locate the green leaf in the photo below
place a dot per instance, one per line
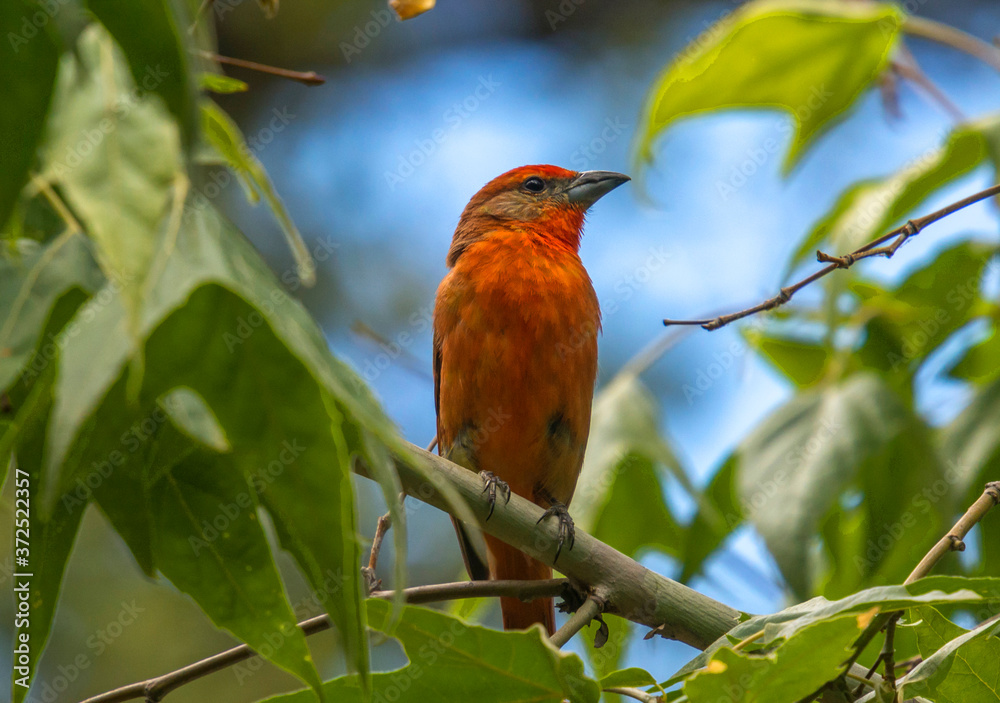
(719, 513)
(935, 590)
(979, 363)
(117, 166)
(796, 463)
(27, 74)
(453, 660)
(793, 670)
(632, 677)
(223, 134)
(966, 669)
(907, 324)
(620, 477)
(152, 35)
(30, 286)
(222, 84)
(754, 58)
(217, 322)
(869, 209)
(801, 361)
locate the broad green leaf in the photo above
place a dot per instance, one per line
(30, 285)
(621, 475)
(801, 361)
(966, 669)
(979, 363)
(632, 677)
(754, 58)
(935, 590)
(869, 209)
(116, 157)
(217, 322)
(222, 84)
(209, 543)
(223, 134)
(50, 539)
(27, 74)
(971, 442)
(793, 670)
(933, 630)
(793, 467)
(152, 35)
(913, 320)
(450, 659)
(719, 513)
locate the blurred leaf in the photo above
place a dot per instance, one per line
(453, 660)
(223, 134)
(222, 84)
(755, 58)
(794, 465)
(188, 412)
(408, 9)
(913, 320)
(719, 513)
(117, 166)
(217, 322)
(30, 285)
(632, 677)
(620, 480)
(801, 361)
(209, 543)
(980, 362)
(807, 659)
(935, 590)
(871, 208)
(152, 35)
(966, 669)
(27, 74)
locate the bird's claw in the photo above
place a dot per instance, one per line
(491, 484)
(567, 530)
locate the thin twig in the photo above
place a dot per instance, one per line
(372, 582)
(308, 77)
(888, 655)
(590, 609)
(955, 38)
(156, 688)
(952, 542)
(636, 693)
(912, 72)
(873, 248)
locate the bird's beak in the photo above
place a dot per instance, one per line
(589, 186)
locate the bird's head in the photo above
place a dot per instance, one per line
(546, 200)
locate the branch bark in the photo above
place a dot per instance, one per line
(627, 588)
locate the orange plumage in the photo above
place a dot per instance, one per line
(515, 351)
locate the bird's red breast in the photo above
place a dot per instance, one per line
(515, 348)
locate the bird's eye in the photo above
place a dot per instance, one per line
(534, 185)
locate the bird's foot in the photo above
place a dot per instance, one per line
(567, 530)
(491, 485)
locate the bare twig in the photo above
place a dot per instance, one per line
(372, 582)
(636, 693)
(952, 542)
(590, 609)
(912, 72)
(308, 77)
(156, 688)
(955, 38)
(873, 248)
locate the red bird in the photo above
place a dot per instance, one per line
(515, 355)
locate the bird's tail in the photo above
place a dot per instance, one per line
(507, 562)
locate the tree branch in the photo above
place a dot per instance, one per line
(590, 609)
(308, 77)
(156, 688)
(873, 248)
(955, 38)
(629, 589)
